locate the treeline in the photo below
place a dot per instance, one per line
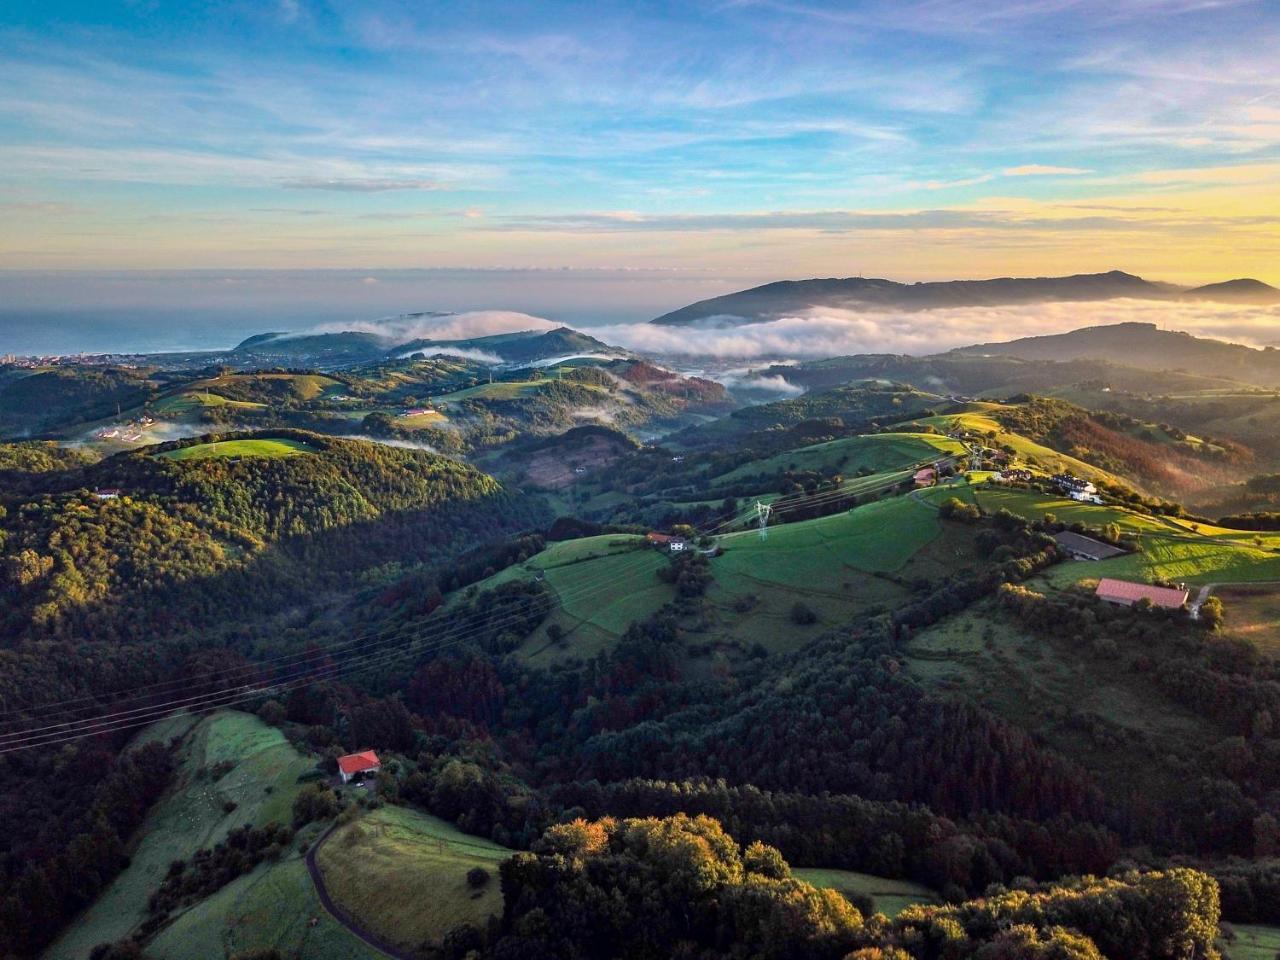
(682, 887)
(1226, 808)
(843, 831)
(58, 854)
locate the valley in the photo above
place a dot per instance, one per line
(578, 608)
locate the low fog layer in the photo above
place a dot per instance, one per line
(826, 332)
(450, 326)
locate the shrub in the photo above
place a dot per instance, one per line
(802, 614)
(477, 877)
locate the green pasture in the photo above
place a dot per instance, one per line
(403, 875)
(877, 452)
(266, 447)
(890, 897)
(1251, 942)
(261, 782)
(272, 907)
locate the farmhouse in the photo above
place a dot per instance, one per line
(1126, 593)
(926, 477)
(1085, 548)
(107, 493)
(358, 764)
(666, 542)
(1070, 484)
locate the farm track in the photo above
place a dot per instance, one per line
(366, 936)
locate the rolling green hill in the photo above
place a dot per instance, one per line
(403, 875)
(233, 771)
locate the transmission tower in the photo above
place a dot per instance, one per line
(762, 517)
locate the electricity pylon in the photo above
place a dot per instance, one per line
(762, 516)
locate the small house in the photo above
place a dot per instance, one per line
(1081, 496)
(678, 545)
(1126, 593)
(926, 477)
(658, 539)
(355, 765)
(107, 493)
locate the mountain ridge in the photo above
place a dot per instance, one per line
(789, 297)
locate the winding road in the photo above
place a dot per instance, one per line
(367, 937)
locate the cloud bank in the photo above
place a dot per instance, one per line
(441, 326)
(825, 332)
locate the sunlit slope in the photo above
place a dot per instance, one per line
(226, 759)
(837, 566)
(402, 875)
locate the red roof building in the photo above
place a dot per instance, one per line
(1127, 593)
(926, 477)
(355, 764)
(661, 539)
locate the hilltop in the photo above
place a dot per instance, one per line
(793, 297)
(1145, 345)
(1244, 290)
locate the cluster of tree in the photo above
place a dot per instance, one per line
(43, 401)
(188, 540)
(884, 837)
(57, 855)
(681, 886)
(1229, 806)
(209, 870)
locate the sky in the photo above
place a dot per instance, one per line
(504, 148)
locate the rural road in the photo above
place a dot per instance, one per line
(371, 939)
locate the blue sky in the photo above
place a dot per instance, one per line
(915, 139)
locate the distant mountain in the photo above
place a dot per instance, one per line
(312, 348)
(1244, 290)
(1144, 345)
(791, 297)
(524, 347)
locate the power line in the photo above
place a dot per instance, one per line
(140, 716)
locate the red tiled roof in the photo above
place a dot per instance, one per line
(658, 538)
(1126, 591)
(925, 473)
(359, 762)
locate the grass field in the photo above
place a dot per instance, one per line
(890, 897)
(838, 566)
(878, 452)
(241, 448)
(979, 420)
(402, 875)
(193, 401)
(302, 386)
(1253, 614)
(272, 907)
(1170, 549)
(1252, 942)
(261, 782)
(431, 418)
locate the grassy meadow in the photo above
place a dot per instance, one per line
(403, 875)
(261, 781)
(889, 897)
(263, 447)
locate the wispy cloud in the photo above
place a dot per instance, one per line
(1042, 170)
(358, 185)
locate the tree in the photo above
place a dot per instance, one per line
(1212, 613)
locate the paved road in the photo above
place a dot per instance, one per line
(338, 914)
